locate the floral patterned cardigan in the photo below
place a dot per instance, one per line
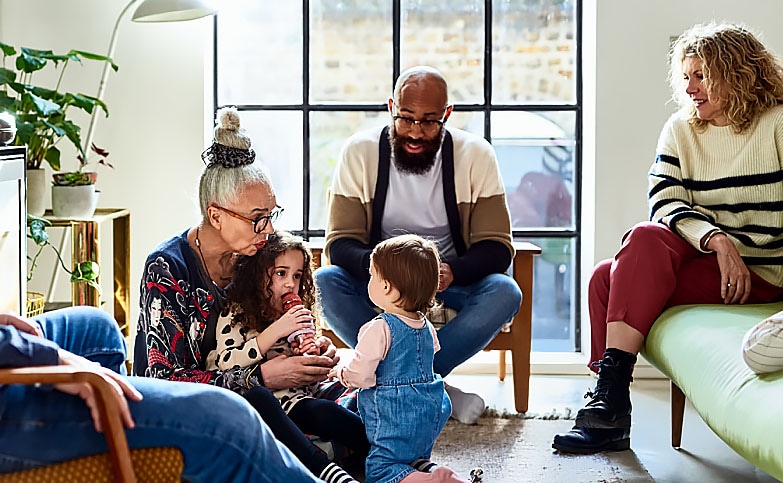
(179, 311)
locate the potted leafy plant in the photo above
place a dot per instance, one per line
(83, 272)
(73, 192)
(42, 113)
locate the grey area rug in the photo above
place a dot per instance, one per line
(517, 450)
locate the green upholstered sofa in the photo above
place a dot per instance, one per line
(698, 347)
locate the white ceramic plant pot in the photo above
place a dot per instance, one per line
(36, 191)
(74, 201)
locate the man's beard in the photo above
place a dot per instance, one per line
(414, 163)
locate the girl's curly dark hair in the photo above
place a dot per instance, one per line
(737, 68)
(250, 294)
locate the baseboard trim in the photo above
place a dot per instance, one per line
(549, 364)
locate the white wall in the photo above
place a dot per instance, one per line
(631, 99)
(632, 92)
(160, 104)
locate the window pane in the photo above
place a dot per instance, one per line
(328, 132)
(277, 140)
(449, 36)
(350, 51)
(554, 319)
(259, 53)
(536, 155)
(534, 51)
(470, 121)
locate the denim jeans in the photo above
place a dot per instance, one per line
(483, 308)
(221, 437)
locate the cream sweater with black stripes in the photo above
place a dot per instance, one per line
(701, 181)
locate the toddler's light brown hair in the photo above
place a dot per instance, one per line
(410, 264)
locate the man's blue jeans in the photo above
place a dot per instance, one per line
(483, 308)
(221, 436)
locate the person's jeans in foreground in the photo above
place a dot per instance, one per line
(221, 437)
(483, 308)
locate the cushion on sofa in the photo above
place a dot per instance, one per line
(699, 347)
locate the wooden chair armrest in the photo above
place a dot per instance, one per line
(109, 410)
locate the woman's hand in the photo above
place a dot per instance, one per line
(284, 372)
(123, 388)
(734, 274)
(27, 326)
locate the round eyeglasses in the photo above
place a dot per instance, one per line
(260, 223)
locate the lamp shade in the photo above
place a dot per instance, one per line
(172, 10)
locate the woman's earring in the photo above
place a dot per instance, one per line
(386, 287)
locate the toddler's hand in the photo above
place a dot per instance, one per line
(332, 373)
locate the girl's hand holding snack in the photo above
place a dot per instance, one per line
(296, 319)
(302, 340)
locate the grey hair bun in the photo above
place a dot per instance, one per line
(228, 131)
(231, 145)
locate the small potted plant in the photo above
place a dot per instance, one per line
(42, 113)
(73, 192)
(83, 272)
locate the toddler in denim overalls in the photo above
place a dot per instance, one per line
(402, 401)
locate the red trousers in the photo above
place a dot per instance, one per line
(655, 269)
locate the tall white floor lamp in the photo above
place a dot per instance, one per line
(147, 11)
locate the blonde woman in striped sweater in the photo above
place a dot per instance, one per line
(715, 233)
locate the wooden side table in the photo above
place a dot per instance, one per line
(85, 245)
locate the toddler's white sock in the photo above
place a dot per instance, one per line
(426, 466)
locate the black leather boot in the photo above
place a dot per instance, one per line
(592, 440)
(610, 403)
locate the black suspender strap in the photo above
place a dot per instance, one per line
(381, 186)
(450, 195)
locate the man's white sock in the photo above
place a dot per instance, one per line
(466, 407)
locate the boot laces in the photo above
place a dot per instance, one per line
(604, 384)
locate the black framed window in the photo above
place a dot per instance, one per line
(309, 74)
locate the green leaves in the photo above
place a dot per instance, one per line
(42, 106)
(52, 157)
(7, 50)
(7, 75)
(86, 272)
(71, 178)
(30, 60)
(89, 55)
(82, 272)
(37, 227)
(42, 112)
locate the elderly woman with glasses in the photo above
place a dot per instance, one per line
(184, 282)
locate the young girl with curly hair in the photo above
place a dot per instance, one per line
(254, 327)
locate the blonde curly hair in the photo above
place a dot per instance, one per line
(737, 68)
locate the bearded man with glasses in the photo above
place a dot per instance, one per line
(418, 176)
